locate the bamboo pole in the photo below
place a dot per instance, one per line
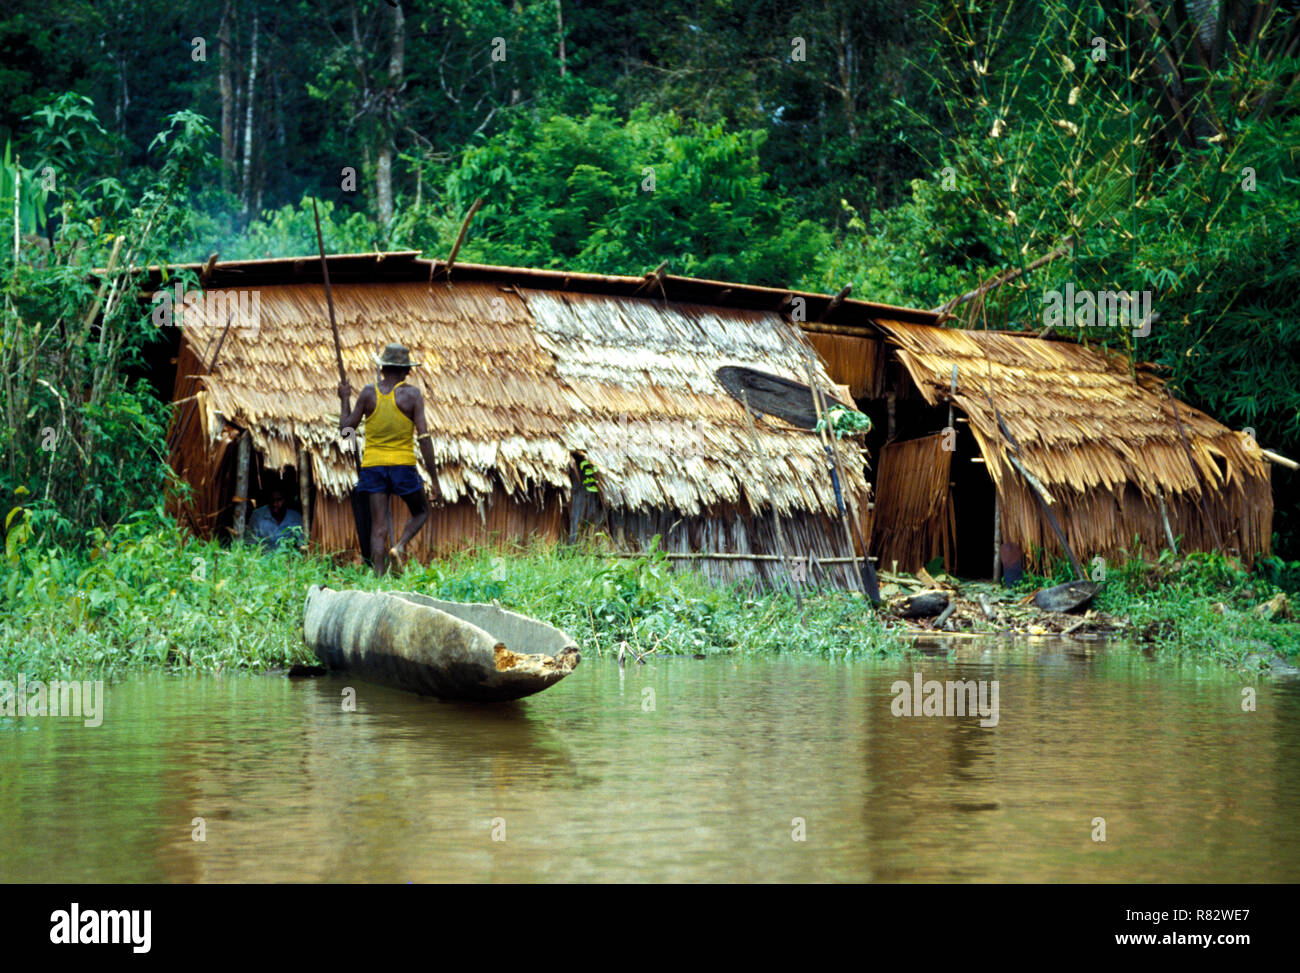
(720, 556)
(460, 237)
(771, 499)
(1279, 459)
(997, 280)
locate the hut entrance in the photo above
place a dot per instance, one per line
(972, 506)
(262, 482)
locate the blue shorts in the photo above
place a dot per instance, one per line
(399, 480)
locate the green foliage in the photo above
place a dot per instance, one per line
(844, 422)
(611, 196)
(1284, 575)
(82, 437)
(291, 231)
(27, 186)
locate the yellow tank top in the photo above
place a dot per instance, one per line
(389, 433)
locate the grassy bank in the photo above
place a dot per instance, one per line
(151, 596)
(148, 595)
(1201, 606)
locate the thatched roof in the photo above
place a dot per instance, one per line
(1087, 428)
(516, 381)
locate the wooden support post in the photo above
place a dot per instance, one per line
(241, 486)
(1164, 519)
(304, 492)
(865, 580)
(890, 401)
(997, 537)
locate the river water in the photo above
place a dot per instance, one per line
(774, 769)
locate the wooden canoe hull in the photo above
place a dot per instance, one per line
(436, 648)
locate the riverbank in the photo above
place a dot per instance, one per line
(150, 596)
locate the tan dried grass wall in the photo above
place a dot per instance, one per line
(1102, 524)
(452, 527)
(913, 513)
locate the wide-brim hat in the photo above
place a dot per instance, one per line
(395, 356)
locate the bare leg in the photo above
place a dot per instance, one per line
(379, 512)
(419, 508)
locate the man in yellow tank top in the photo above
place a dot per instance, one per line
(394, 414)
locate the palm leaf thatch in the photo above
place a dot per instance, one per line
(1105, 445)
(521, 383)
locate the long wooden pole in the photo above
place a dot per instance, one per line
(1164, 519)
(838, 484)
(460, 238)
(329, 300)
(304, 491)
(360, 503)
(771, 499)
(997, 537)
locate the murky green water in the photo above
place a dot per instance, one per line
(588, 782)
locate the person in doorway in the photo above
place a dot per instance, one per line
(394, 416)
(275, 525)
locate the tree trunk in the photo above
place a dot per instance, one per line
(248, 126)
(559, 27)
(848, 79)
(384, 166)
(224, 74)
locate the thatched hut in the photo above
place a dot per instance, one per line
(563, 403)
(560, 403)
(1104, 443)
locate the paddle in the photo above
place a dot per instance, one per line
(360, 502)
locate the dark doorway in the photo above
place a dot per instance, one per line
(972, 498)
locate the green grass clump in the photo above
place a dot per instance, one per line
(149, 595)
(1200, 605)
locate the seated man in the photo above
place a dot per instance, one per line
(275, 525)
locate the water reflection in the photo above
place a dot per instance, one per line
(681, 770)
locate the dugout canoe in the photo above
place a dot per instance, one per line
(447, 649)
